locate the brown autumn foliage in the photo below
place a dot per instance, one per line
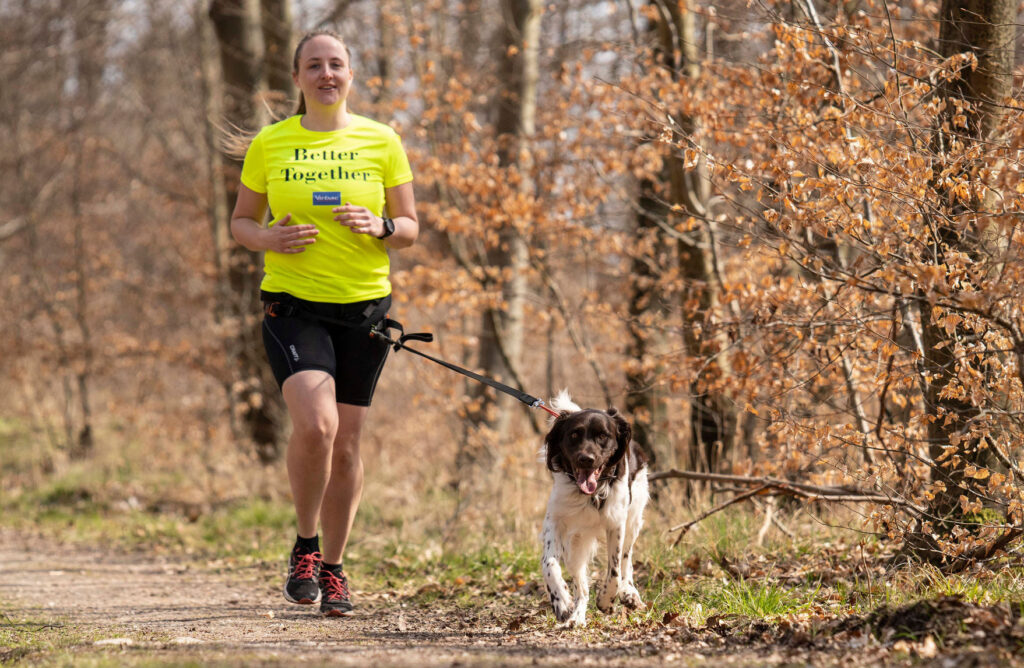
(853, 210)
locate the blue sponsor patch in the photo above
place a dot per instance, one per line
(326, 199)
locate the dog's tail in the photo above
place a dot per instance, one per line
(563, 402)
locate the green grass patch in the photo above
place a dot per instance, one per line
(755, 598)
(251, 531)
(24, 639)
(431, 575)
(984, 588)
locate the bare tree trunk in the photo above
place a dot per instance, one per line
(278, 43)
(256, 399)
(90, 35)
(644, 401)
(469, 32)
(501, 338)
(384, 54)
(217, 206)
(713, 419)
(82, 445)
(987, 29)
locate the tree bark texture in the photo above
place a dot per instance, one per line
(256, 400)
(713, 417)
(986, 29)
(501, 339)
(645, 402)
(278, 45)
(91, 36)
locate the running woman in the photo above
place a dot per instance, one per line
(339, 188)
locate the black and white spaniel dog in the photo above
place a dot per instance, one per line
(599, 490)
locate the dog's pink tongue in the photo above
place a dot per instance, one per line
(587, 480)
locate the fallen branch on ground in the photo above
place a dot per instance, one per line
(775, 487)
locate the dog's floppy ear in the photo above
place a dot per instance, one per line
(624, 431)
(623, 435)
(553, 444)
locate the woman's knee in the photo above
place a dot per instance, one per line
(317, 430)
(310, 399)
(346, 452)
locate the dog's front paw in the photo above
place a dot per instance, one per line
(562, 614)
(578, 618)
(561, 606)
(630, 598)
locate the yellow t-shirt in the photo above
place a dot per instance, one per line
(307, 174)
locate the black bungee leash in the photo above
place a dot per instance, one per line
(380, 331)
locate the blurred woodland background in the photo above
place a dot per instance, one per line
(782, 236)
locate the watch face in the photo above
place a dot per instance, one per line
(389, 228)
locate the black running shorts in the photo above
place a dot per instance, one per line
(296, 340)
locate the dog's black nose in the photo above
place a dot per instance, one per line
(585, 461)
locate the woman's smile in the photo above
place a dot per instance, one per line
(324, 75)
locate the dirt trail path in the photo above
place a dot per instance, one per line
(84, 605)
(132, 609)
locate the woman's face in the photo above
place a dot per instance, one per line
(324, 75)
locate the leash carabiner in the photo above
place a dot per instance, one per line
(540, 404)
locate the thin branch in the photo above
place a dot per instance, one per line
(686, 526)
(499, 339)
(1001, 456)
(803, 490)
(769, 516)
(983, 552)
(12, 227)
(577, 338)
(855, 404)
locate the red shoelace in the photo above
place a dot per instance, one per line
(305, 566)
(337, 587)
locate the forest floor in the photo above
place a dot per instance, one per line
(64, 604)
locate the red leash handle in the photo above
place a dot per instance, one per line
(540, 404)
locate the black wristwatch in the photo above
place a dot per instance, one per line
(389, 228)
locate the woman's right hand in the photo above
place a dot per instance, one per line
(280, 237)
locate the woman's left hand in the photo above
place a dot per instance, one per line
(359, 219)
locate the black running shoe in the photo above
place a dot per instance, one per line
(335, 600)
(301, 586)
